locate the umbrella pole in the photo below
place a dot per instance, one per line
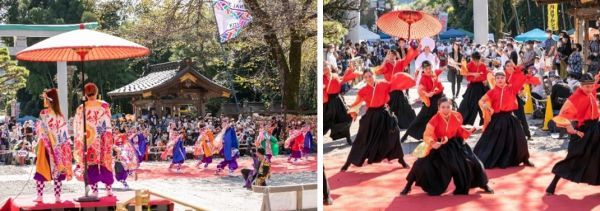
(85, 197)
(408, 38)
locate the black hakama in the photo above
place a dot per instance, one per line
(582, 164)
(336, 118)
(453, 160)
(503, 142)
(326, 197)
(401, 109)
(378, 138)
(417, 127)
(469, 106)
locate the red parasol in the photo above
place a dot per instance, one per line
(82, 45)
(409, 24)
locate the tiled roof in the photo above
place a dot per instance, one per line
(149, 81)
(161, 74)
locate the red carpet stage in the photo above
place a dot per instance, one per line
(26, 202)
(154, 170)
(378, 187)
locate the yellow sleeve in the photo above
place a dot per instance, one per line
(567, 112)
(487, 115)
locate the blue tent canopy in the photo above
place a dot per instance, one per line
(455, 33)
(384, 36)
(535, 35)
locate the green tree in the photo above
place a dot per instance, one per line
(12, 77)
(333, 32)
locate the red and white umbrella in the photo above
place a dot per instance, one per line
(409, 24)
(68, 46)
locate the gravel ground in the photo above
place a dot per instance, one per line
(541, 140)
(221, 193)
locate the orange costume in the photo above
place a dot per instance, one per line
(582, 163)
(378, 95)
(335, 113)
(332, 84)
(468, 107)
(389, 70)
(439, 128)
(477, 68)
(428, 84)
(503, 99)
(452, 160)
(503, 142)
(580, 107)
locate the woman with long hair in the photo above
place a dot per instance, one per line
(378, 132)
(175, 147)
(582, 164)
(445, 156)
(204, 147)
(564, 51)
(54, 156)
(456, 55)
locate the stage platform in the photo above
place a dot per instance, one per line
(23, 203)
(378, 187)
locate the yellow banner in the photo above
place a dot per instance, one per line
(553, 17)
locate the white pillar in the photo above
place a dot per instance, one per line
(20, 42)
(481, 21)
(61, 77)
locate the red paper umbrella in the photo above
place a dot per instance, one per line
(409, 24)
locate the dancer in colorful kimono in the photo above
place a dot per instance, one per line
(294, 143)
(502, 143)
(476, 73)
(444, 155)
(399, 105)
(582, 164)
(308, 142)
(126, 158)
(139, 143)
(204, 147)
(175, 147)
(261, 172)
(335, 113)
(430, 91)
(99, 140)
(228, 143)
(378, 133)
(267, 142)
(54, 157)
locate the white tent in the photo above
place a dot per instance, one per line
(359, 33)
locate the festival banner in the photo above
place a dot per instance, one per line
(231, 17)
(553, 17)
(443, 17)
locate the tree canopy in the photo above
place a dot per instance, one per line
(12, 77)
